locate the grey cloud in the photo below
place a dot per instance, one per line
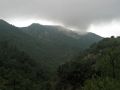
(74, 13)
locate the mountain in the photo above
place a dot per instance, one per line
(59, 35)
(60, 44)
(21, 40)
(26, 52)
(48, 45)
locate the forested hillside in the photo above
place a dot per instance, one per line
(59, 45)
(47, 45)
(98, 68)
(18, 71)
(53, 59)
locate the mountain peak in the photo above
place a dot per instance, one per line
(35, 25)
(4, 24)
(3, 21)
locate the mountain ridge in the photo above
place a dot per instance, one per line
(46, 44)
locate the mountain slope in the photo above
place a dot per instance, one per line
(48, 45)
(60, 44)
(17, 37)
(18, 70)
(58, 35)
(96, 68)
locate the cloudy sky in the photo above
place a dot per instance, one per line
(99, 16)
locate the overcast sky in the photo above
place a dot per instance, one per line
(99, 16)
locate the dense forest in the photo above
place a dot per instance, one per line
(94, 68)
(98, 68)
(17, 70)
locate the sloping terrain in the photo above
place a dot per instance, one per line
(47, 45)
(98, 68)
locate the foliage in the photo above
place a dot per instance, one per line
(48, 45)
(98, 68)
(18, 70)
(102, 84)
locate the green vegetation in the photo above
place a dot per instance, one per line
(48, 58)
(98, 68)
(47, 45)
(18, 71)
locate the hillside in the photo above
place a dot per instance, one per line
(98, 68)
(23, 41)
(61, 44)
(29, 54)
(59, 35)
(18, 71)
(47, 45)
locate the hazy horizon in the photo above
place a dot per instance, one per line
(48, 23)
(100, 17)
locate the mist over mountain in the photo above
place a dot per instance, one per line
(59, 45)
(59, 42)
(60, 34)
(52, 57)
(48, 45)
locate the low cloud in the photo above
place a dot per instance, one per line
(79, 14)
